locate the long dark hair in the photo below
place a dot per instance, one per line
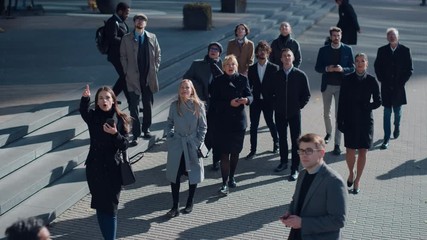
(126, 119)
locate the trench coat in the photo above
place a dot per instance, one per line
(129, 59)
(184, 135)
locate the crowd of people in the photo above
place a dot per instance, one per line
(211, 110)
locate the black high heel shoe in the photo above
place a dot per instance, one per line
(349, 184)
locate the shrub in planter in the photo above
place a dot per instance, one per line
(197, 16)
(109, 6)
(233, 6)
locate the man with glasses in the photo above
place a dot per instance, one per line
(202, 72)
(319, 205)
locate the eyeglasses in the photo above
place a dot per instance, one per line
(307, 151)
(214, 49)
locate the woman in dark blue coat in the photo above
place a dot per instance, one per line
(102, 167)
(229, 94)
(347, 22)
(355, 117)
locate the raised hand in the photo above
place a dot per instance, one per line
(86, 92)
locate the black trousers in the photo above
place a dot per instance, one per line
(175, 186)
(147, 104)
(120, 84)
(254, 114)
(294, 123)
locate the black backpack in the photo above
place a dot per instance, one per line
(101, 40)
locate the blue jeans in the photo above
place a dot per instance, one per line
(387, 119)
(108, 224)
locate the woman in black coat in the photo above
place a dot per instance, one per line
(102, 167)
(355, 117)
(347, 22)
(229, 94)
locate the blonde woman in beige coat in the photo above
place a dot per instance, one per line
(242, 48)
(186, 130)
(140, 58)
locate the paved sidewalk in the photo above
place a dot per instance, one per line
(391, 205)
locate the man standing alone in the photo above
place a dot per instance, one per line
(333, 61)
(393, 67)
(115, 29)
(141, 73)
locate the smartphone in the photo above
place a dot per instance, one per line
(110, 122)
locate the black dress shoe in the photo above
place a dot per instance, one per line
(327, 138)
(215, 166)
(355, 191)
(275, 148)
(232, 183)
(293, 176)
(250, 155)
(147, 134)
(188, 209)
(281, 167)
(384, 145)
(396, 133)
(173, 213)
(337, 150)
(133, 143)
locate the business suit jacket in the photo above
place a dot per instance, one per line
(324, 209)
(115, 29)
(129, 60)
(259, 87)
(185, 133)
(292, 94)
(200, 74)
(245, 55)
(393, 70)
(324, 59)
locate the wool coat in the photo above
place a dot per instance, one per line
(324, 210)
(185, 133)
(355, 118)
(102, 169)
(348, 23)
(393, 70)
(129, 60)
(245, 54)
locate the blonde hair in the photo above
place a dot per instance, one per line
(193, 97)
(229, 58)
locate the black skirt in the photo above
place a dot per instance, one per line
(229, 142)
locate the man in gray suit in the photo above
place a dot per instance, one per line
(319, 204)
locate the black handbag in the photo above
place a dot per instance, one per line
(203, 151)
(128, 177)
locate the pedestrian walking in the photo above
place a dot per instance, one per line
(347, 22)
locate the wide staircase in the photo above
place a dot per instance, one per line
(43, 150)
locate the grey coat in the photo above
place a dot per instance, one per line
(129, 60)
(324, 209)
(184, 135)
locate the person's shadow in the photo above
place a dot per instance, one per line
(408, 168)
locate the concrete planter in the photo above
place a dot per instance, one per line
(233, 6)
(197, 16)
(109, 6)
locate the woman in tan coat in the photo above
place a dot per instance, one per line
(242, 48)
(186, 131)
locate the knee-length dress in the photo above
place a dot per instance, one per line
(355, 107)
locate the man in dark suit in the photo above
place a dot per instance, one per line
(319, 205)
(202, 72)
(115, 29)
(291, 92)
(334, 60)
(259, 76)
(393, 67)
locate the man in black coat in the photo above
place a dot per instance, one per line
(260, 76)
(347, 22)
(393, 67)
(285, 41)
(115, 29)
(291, 92)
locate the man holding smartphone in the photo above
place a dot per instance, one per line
(319, 205)
(334, 60)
